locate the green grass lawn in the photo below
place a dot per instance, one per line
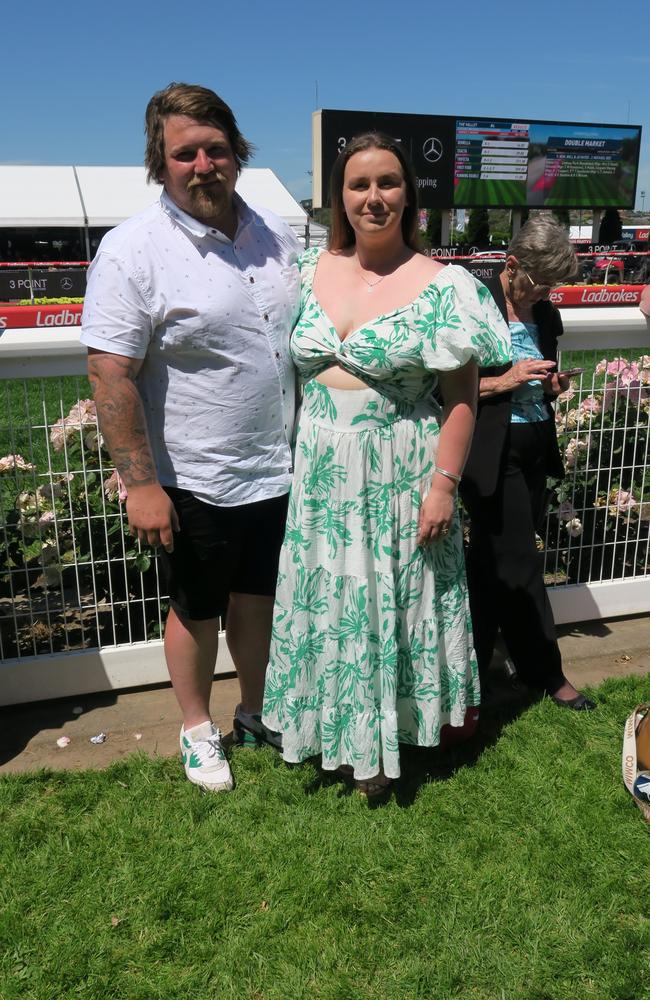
(515, 868)
(27, 406)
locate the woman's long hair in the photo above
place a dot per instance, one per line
(342, 233)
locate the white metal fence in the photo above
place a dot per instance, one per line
(82, 607)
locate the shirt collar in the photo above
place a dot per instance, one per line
(198, 228)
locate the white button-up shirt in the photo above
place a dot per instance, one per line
(211, 319)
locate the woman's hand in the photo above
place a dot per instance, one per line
(554, 384)
(528, 370)
(436, 515)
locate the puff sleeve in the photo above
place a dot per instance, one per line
(461, 322)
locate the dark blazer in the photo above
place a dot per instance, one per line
(492, 432)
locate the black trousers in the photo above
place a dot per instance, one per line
(504, 568)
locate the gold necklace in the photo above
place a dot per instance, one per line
(372, 284)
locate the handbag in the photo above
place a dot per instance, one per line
(636, 757)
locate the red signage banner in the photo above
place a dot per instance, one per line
(28, 317)
(596, 295)
(33, 317)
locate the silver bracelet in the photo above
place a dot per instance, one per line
(449, 475)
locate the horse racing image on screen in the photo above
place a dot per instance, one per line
(545, 164)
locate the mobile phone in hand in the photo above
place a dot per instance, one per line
(572, 371)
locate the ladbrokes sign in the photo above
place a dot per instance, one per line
(30, 317)
(597, 295)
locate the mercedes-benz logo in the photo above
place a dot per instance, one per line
(66, 284)
(432, 150)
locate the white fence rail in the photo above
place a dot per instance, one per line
(82, 608)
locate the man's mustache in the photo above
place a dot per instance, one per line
(207, 179)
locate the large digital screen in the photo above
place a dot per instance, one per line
(512, 163)
(499, 163)
(427, 139)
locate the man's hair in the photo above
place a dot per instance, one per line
(543, 247)
(199, 103)
(342, 234)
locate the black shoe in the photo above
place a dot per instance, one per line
(577, 704)
(250, 731)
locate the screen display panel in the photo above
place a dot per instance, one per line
(517, 163)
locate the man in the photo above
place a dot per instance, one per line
(187, 318)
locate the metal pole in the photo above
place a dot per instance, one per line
(445, 228)
(595, 225)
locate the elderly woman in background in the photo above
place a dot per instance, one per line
(514, 450)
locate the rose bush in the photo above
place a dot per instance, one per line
(65, 535)
(603, 434)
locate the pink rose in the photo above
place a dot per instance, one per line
(17, 463)
(591, 407)
(622, 500)
(574, 527)
(617, 366)
(566, 511)
(631, 374)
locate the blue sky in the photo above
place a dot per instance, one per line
(76, 77)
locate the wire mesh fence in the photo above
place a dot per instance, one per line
(72, 578)
(597, 526)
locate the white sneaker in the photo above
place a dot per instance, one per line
(204, 758)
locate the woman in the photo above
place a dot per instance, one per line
(371, 642)
(514, 450)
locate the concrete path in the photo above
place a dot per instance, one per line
(148, 719)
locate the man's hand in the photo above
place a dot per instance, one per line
(152, 516)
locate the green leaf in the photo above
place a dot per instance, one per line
(142, 561)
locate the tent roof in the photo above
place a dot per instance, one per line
(112, 194)
(30, 195)
(66, 196)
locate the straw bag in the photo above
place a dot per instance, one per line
(636, 757)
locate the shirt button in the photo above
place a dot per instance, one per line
(251, 279)
(266, 317)
(284, 392)
(277, 354)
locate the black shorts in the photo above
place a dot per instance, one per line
(222, 550)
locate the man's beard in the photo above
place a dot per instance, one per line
(208, 200)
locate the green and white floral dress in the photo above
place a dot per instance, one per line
(372, 642)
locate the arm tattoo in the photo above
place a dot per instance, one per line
(121, 417)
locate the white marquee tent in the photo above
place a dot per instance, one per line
(105, 196)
